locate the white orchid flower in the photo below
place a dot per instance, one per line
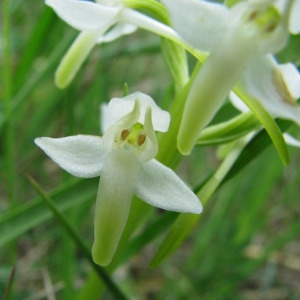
(124, 160)
(98, 22)
(94, 21)
(240, 40)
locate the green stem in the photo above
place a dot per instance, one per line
(168, 153)
(211, 185)
(111, 285)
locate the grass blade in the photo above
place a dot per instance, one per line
(78, 241)
(9, 284)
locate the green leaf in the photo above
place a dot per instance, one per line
(179, 231)
(150, 233)
(253, 149)
(228, 131)
(176, 59)
(267, 121)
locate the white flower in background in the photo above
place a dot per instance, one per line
(98, 22)
(294, 90)
(292, 19)
(124, 160)
(240, 40)
(275, 85)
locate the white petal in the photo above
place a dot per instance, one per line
(150, 147)
(264, 80)
(290, 140)
(110, 2)
(198, 22)
(80, 155)
(116, 32)
(106, 119)
(291, 78)
(111, 136)
(161, 187)
(122, 106)
(116, 188)
(85, 15)
(294, 20)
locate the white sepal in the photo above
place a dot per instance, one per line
(106, 118)
(199, 23)
(119, 107)
(80, 155)
(85, 15)
(117, 31)
(150, 148)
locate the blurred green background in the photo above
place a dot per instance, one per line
(247, 245)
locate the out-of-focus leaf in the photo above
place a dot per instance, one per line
(176, 59)
(255, 147)
(33, 45)
(27, 216)
(228, 131)
(179, 231)
(149, 234)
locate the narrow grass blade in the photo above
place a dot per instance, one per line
(229, 131)
(26, 216)
(115, 290)
(254, 148)
(9, 284)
